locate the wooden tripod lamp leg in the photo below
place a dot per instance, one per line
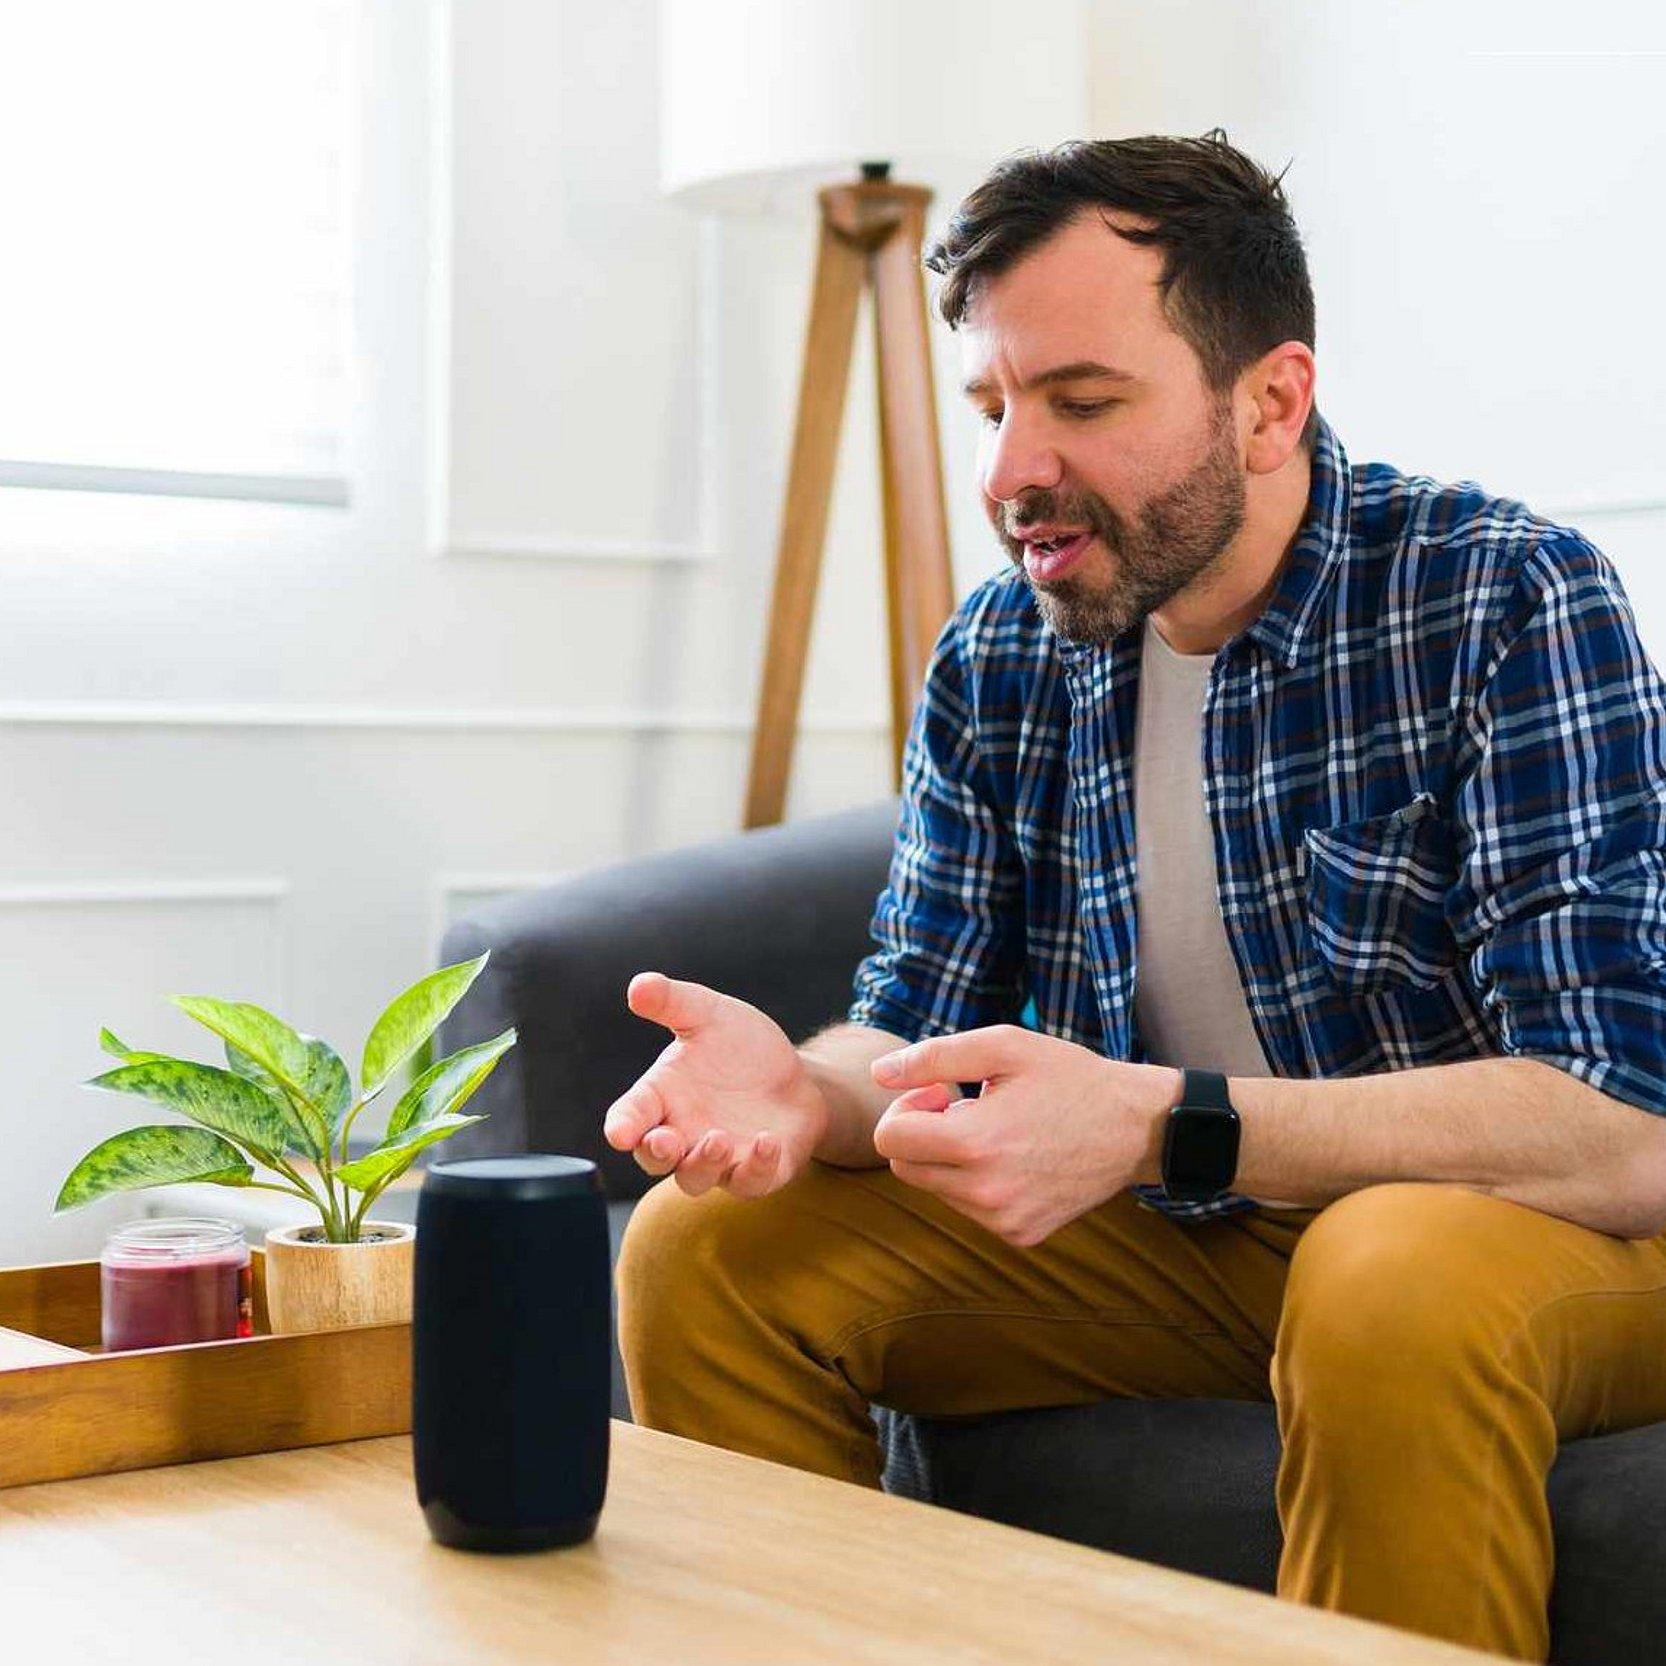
(920, 580)
(839, 281)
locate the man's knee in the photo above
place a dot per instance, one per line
(1388, 1286)
(670, 1241)
(681, 1254)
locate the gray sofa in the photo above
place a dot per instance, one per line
(780, 918)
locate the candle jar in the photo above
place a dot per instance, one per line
(170, 1281)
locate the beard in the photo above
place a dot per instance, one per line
(1177, 537)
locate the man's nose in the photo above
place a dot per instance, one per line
(1019, 457)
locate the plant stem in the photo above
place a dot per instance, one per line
(330, 1205)
(326, 1208)
(335, 1202)
(267, 1186)
(287, 1170)
(347, 1125)
(352, 1116)
(363, 1209)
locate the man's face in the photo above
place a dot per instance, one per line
(1140, 458)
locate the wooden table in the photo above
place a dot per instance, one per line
(320, 1556)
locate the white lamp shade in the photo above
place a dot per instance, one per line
(761, 101)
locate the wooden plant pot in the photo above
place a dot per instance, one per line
(322, 1286)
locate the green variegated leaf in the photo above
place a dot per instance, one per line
(393, 1156)
(298, 1127)
(328, 1081)
(328, 1086)
(250, 1071)
(118, 1049)
(447, 1084)
(215, 1098)
(282, 1053)
(411, 1018)
(154, 1156)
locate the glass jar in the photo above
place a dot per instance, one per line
(169, 1281)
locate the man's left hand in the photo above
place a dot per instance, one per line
(1056, 1131)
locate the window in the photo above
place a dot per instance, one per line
(174, 299)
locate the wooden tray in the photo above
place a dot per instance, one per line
(89, 1413)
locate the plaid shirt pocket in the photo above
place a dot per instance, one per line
(1376, 893)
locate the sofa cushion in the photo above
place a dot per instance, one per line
(1189, 1484)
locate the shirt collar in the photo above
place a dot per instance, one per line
(1320, 546)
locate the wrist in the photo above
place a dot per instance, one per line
(1164, 1094)
(834, 1142)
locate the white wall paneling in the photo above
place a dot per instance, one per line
(577, 312)
(121, 714)
(492, 538)
(455, 896)
(254, 488)
(142, 891)
(77, 957)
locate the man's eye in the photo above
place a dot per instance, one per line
(1070, 407)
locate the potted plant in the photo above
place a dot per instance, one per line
(284, 1106)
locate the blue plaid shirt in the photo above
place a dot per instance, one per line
(1435, 767)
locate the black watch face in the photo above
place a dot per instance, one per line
(1206, 1146)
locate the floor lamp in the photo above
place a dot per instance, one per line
(871, 236)
(761, 103)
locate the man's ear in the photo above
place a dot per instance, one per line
(1280, 385)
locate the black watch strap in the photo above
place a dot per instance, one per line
(1204, 1087)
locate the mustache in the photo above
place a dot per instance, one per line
(1045, 509)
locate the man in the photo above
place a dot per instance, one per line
(1338, 784)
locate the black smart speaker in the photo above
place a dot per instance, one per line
(511, 1351)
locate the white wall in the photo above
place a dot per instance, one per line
(263, 752)
(1479, 187)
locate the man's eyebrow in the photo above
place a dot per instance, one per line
(1081, 370)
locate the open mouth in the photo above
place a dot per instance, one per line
(1049, 559)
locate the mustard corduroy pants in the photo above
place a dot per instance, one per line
(1426, 1346)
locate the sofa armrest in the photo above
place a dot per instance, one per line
(777, 916)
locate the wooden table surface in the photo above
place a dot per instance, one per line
(320, 1556)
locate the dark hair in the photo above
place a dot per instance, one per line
(1234, 282)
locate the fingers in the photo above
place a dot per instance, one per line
(934, 1096)
(747, 1168)
(915, 1129)
(679, 1006)
(660, 1151)
(708, 1160)
(970, 1056)
(630, 1116)
(759, 1171)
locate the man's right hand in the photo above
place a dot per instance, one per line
(728, 1103)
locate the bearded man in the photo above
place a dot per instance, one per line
(1269, 992)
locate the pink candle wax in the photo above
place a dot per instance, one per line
(165, 1282)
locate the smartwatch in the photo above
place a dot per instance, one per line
(1200, 1143)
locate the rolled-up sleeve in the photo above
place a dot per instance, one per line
(1560, 804)
(949, 926)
